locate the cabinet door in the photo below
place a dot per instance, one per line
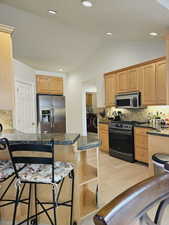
(161, 73)
(60, 85)
(42, 84)
(89, 99)
(122, 82)
(149, 85)
(104, 137)
(53, 82)
(110, 90)
(133, 80)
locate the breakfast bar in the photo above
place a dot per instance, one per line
(83, 153)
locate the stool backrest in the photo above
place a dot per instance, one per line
(23, 153)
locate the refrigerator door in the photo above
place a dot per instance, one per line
(45, 120)
(59, 117)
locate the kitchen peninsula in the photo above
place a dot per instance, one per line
(69, 148)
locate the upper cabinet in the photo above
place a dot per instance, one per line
(6, 73)
(149, 85)
(110, 89)
(127, 81)
(49, 85)
(149, 78)
(161, 82)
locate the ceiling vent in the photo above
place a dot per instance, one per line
(164, 3)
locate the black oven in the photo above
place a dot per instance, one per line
(121, 141)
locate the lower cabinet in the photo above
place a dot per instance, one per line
(141, 144)
(104, 137)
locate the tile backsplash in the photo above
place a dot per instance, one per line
(141, 114)
(6, 119)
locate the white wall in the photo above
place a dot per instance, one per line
(23, 73)
(111, 56)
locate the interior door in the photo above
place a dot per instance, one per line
(59, 120)
(25, 107)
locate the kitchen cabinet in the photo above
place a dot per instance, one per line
(104, 137)
(49, 85)
(149, 78)
(6, 73)
(133, 80)
(89, 99)
(149, 84)
(122, 81)
(161, 79)
(110, 89)
(141, 144)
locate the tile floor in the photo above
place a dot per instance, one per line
(116, 176)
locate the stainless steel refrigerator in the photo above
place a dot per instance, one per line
(51, 113)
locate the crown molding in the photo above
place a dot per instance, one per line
(6, 29)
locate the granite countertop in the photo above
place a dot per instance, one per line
(162, 132)
(84, 143)
(15, 136)
(148, 125)
(88, 142)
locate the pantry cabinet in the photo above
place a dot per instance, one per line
(49, 85)
(110, 90)
(149, 78)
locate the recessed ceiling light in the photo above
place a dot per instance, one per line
(61, 70)
(109, 33)
(153, 34)
(86, 3)
(52, 12)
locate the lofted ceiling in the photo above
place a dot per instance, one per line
(69, 38)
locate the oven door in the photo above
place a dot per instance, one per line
(121, 144)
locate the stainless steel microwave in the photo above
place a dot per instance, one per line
(128, 100)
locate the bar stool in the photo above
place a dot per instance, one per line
(40, 170)
(7, 172)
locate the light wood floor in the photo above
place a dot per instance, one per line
(116, 176)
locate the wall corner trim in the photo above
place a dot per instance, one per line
(6, 29)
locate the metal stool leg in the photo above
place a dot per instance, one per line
(54, 206)
(36, 205)
(29, 202)
(72, 197)
(16, 205)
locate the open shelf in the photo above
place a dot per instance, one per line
(88, 204)
(87, 173)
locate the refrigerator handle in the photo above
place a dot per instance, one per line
(52, 117)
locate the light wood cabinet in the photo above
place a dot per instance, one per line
(133, 80)
(49, 85)
(89, 99)
(149, 78)
(110, 90)
(6, 73)
(149, 85)
(104, 137)
(122, 81)
(161, 79)
(141, 144)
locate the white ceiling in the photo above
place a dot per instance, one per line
(67, 40)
